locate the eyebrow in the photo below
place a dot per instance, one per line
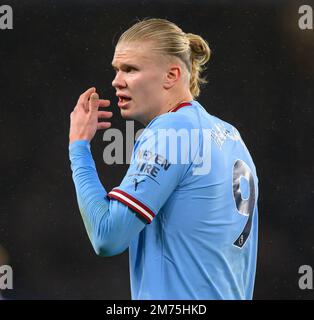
(124, 65)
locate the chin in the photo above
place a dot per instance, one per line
(126, 114)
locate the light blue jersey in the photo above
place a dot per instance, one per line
(199, 240)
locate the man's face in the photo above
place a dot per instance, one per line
(140, 75)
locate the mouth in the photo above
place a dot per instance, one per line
(123, 101)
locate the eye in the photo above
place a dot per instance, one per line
(130, 69)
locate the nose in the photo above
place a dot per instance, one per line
(119, 82)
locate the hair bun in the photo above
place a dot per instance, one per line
(199, 48)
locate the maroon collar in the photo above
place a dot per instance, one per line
(181, 105)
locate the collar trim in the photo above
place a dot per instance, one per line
(181, 105)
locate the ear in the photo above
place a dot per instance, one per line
(172, 76)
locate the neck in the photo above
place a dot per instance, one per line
(173, 102)
(170, 104)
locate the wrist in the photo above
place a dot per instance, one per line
(79, 146)
(78, 138)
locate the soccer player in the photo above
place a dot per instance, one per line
(187, 207)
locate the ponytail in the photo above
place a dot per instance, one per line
(200, 54)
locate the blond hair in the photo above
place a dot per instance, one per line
(170, 40)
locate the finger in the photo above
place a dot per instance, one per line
(93, 102)
(103, 125)
(104, 103)
(83, 99)
(104, 114)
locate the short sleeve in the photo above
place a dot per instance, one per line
(159, 161)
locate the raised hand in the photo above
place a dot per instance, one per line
(84, 118)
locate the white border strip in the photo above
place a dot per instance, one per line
(123, 197)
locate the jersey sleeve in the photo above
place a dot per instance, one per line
(110, 225)
(158, 164)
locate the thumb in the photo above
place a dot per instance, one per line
(94, 102)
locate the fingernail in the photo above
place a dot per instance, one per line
(94, 96)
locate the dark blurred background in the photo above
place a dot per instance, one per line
(261, 79)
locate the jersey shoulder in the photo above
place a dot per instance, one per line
(172, 120)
